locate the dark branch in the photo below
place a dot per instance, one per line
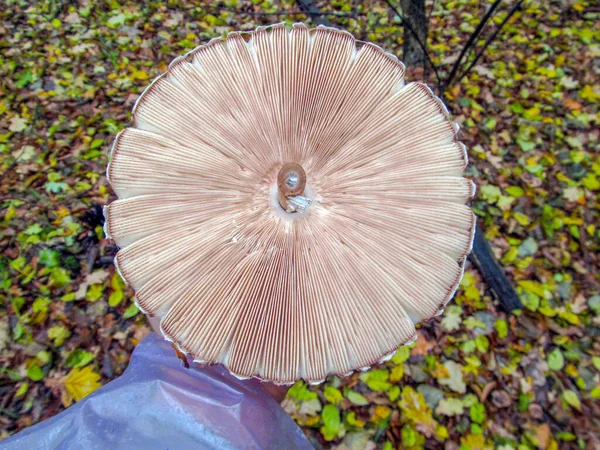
(469, 44)
(421, 44)
(492, 273)
(490, 39)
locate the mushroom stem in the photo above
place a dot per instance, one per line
(291, 181)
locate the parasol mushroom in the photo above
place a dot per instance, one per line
(288, 206)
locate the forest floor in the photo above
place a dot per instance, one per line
(476, 378)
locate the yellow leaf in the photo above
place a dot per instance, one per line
(572, 371)
(381, 413)
(532, 287)
(441, 432)
(82, 382)
(415, 409)
(396, 373)
(353, 421)
(10, 213)
(440, 371)
(140, 75)
(311, 421)
(475, 442)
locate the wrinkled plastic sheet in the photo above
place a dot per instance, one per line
(158, 404)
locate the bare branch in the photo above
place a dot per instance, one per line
(469, 44)
(483, 258)
(490, 39)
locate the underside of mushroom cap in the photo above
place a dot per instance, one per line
(336, 285)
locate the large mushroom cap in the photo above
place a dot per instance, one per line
(271, 279)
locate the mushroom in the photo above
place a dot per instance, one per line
(288, 205)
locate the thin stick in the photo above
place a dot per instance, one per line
(491, 39)
(469, 44)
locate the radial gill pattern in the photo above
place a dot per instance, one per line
(378, 244)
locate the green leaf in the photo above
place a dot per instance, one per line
(116, 21)
(115, 298)
(94, 292)
(471, 323)
(355, 397)
(69, 297)
(477, 413)
(33, 229)
(59, 277)
(394, 393)
(96, 143)
(131, 311)
(79, 358)
(43, 357)
(59, 334)
(490, 193)
(482, 343)
(469, 400)
(556, 360)
(532, 287)
(590, 181)
(525, 144)
(18, 263)
(49, 257)
(299, 391)
(354, 421)
(23, 79)
(35, 373)
(521, 218)
(377, 380)
(468, 346)
(515, 191)
(530, 301)
(565, 436)
(402, 354)
(501, 328)
(22, 390)
(331, 422)
(410, 436)
(517, 108)
(55, 187)
(524, 402)
(571, 398)
(332, 394)
(18, 331)
(490, 124)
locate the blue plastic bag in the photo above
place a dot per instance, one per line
(158, 404)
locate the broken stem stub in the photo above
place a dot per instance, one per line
(291, 182)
